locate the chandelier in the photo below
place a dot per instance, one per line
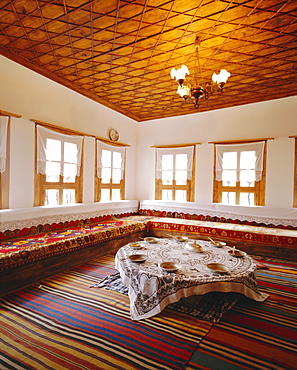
(190, 87)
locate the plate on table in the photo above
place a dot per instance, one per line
(169, 266)
(151, 240)
(236, 253)
(135, 245)
(194, 247)
(138, 258)
(218, 267)
(180, 238)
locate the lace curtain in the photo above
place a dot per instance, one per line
(114, 149)
(174, 151)
(3, 141)
(43, 134)
(258, 147)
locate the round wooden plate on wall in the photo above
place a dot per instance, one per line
(114, 135)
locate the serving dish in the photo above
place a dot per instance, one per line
(236, 253)
(138, 258)
(218, 243)
(169, 266)
(218, 267)
(135, 245)
(194, 247)
(181, 238)
(151, 240)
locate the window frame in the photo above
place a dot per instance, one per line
(189, 187)
(258, 190)
(99, 185)
(41, 185)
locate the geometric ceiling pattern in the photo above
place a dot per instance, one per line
(120, 52)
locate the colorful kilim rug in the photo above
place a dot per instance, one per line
(62, 324)
(256, 335)
(210, 307)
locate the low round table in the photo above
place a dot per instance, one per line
(151, 288)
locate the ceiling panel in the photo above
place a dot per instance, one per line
(120, 52)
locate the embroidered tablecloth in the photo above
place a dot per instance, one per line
(151, 289)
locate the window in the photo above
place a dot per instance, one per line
(3, 143)
(240, 174)
(110, 174)
(58, 179)
(174, 174)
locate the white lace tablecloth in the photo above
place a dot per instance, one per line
(151, 289)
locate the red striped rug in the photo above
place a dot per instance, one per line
(62, 324)
(256, 335)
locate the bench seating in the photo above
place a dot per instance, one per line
(41, 249)
(256, 230)
(256, 240)
(34, 248)
(51, 240)
(28, 258)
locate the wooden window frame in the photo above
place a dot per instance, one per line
(41, 185)
(189, 187)
(99, 185)
(258, 190)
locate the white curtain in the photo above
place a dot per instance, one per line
(258, 147)
(45, 133)
(174, 151)
(118, 149)
(3, 141)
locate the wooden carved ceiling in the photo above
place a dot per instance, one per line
(120, 52)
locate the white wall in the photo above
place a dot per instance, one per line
(35, 97)
(280, 173)
(276, 119)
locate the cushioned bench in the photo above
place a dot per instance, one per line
(256, 240)
(32, 248)
(51, 240)
(256, 230)
(32, 253)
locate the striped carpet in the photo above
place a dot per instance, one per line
(256, 335)
(61, 323)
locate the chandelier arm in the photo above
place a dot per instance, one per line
(187, 89)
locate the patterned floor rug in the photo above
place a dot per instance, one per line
(253, 335)
(62, 324)
(210, 307)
